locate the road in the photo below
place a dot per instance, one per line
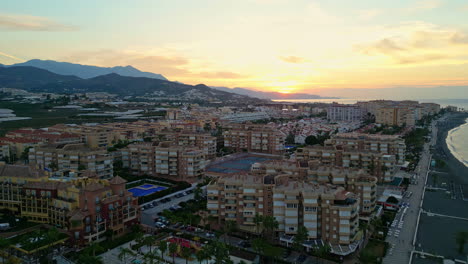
(403, 230)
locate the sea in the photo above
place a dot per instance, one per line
(460, 103)
(457, 138)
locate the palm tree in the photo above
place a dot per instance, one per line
(229, 227)
(201, 255)
(93, 247)
(186, 253)
(149, 241)
(124, 253)
(173, 247)
(258, 220)
(323, 251)
(162, 247)
(149, 257)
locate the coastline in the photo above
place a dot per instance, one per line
(442, 150)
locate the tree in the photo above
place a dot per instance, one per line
(162, 247)
(219, 252)
(173, 247)
(201, 255)
(87, 259)
(197, 193)
(273, 252)
(149, 257)
(258, 220)
(366, 257)
(124, 253)
(229, 228)
(4, 244)
(323, 251)
(311, 140)
(186, 253)
(300, 238)
(290, 139)
(149, 242)
(461, 238)
(259, 245)
(271, 224)
(93, 247)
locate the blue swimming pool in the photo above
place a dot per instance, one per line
(145, 189)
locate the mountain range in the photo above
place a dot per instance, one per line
(38, 80)
(270, 95)
(86, 71)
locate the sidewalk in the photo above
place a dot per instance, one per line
(401, 233)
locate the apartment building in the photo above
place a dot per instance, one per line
(165, 160)
(84, 208)
(385, 144)
(203, 141)
(73, 160)
(328, 212)
(45, 136)
(254, 138)
(377, 164)
(92, 134)
(397, 116)
(354, 180)
(179, 163)
(340, 112)
(18, 145)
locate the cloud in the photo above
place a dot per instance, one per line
(425, 44)
(383, 46)
(292, 59)
(15, 22)
(10, 56)
(220, 75)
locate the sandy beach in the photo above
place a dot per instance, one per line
(456, 168)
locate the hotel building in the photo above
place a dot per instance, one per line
(86, 208)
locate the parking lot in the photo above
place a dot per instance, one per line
(150, 210)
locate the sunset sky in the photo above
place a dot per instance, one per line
(274, 45)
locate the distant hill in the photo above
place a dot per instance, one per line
(86, 71)
(38, 80)
(30, 77)
(271, 95)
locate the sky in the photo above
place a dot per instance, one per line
(270, 45)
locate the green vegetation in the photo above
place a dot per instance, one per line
(461, 239)
(42, 116)
(319, 139)
(101, 247)
(38, 240)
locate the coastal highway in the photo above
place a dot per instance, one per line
(401, 236)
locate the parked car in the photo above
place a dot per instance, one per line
(301, 258)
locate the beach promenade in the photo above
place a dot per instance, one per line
(402, 234)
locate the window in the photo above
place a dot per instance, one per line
(310, 209)
(289, 205)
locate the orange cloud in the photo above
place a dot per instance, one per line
(293, 59)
